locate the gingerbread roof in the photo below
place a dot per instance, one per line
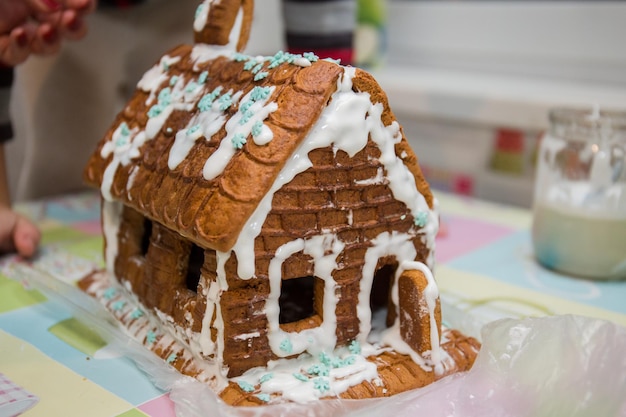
(208, 130)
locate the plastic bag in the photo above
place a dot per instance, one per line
(551, 366)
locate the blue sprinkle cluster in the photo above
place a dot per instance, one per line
(286, 346)
(164, 100)
(421, 219)
(300, 377)
(321, 384)
(319, 369)
(355, 347)
(225, 101)
(172, 358)
(266, 377)
(245, 386)
(118, 305)
(150, 336)
(193, 129)
(207, 100)
(109, 293)
(136, 313)
(264, 397)
(238, 141)
(257, 128)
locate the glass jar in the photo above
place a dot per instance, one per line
(579, 213)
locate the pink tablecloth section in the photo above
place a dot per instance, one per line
(485, 271)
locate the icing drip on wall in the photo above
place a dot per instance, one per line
(111, 218)
(324, 250)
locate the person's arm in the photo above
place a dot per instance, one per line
(17, 233)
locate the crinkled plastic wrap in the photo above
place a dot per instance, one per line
(552, 366)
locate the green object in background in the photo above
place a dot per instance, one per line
(372, 12)
(370, 36)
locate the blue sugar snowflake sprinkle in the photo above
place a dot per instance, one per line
(239, 57)
(246, 106)
(238, 141)
(150, 337)
(165, 96)
(249, 65)
(318, 369)
(245, 386)
(191, 86)
(257, 128)
(263, 397)
(109, 293)
(257, 68)
(245, 118)
(266, 377)
(421, 219)
(172, 358)
(355, 347)
(225, 101)
(118, 305)
(136, 314)
(261, 75)
(206, 102)
(300, 377)
(337, 363)
(311, 56)
(203, 77)
(324, 358)
(321, 384)
(193, 129)
(286, 346)
(260, 93)
(174, 79)
(199, 11)
(350, 360)
(155, 110)
(124, 129)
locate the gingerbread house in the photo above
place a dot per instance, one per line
(260, 212)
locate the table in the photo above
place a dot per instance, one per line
(485, 271)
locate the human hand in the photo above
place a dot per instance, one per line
(17, 233)
(39, 26)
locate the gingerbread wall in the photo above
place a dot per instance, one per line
(340, 194)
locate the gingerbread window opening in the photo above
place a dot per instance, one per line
(145, 236)
(380, 295)
(298, 299)
(194, 267)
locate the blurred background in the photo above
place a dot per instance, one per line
(470, 81)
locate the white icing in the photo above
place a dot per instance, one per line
(124, 145)
(111, 218)
(279, 376)
(324, 250)
(237, 125)
(156, 76)
(378, 179)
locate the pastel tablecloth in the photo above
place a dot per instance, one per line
(485, 271)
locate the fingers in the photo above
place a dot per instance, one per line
(18, 234)
(26, 237)
(15, 47)
(48, 24)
